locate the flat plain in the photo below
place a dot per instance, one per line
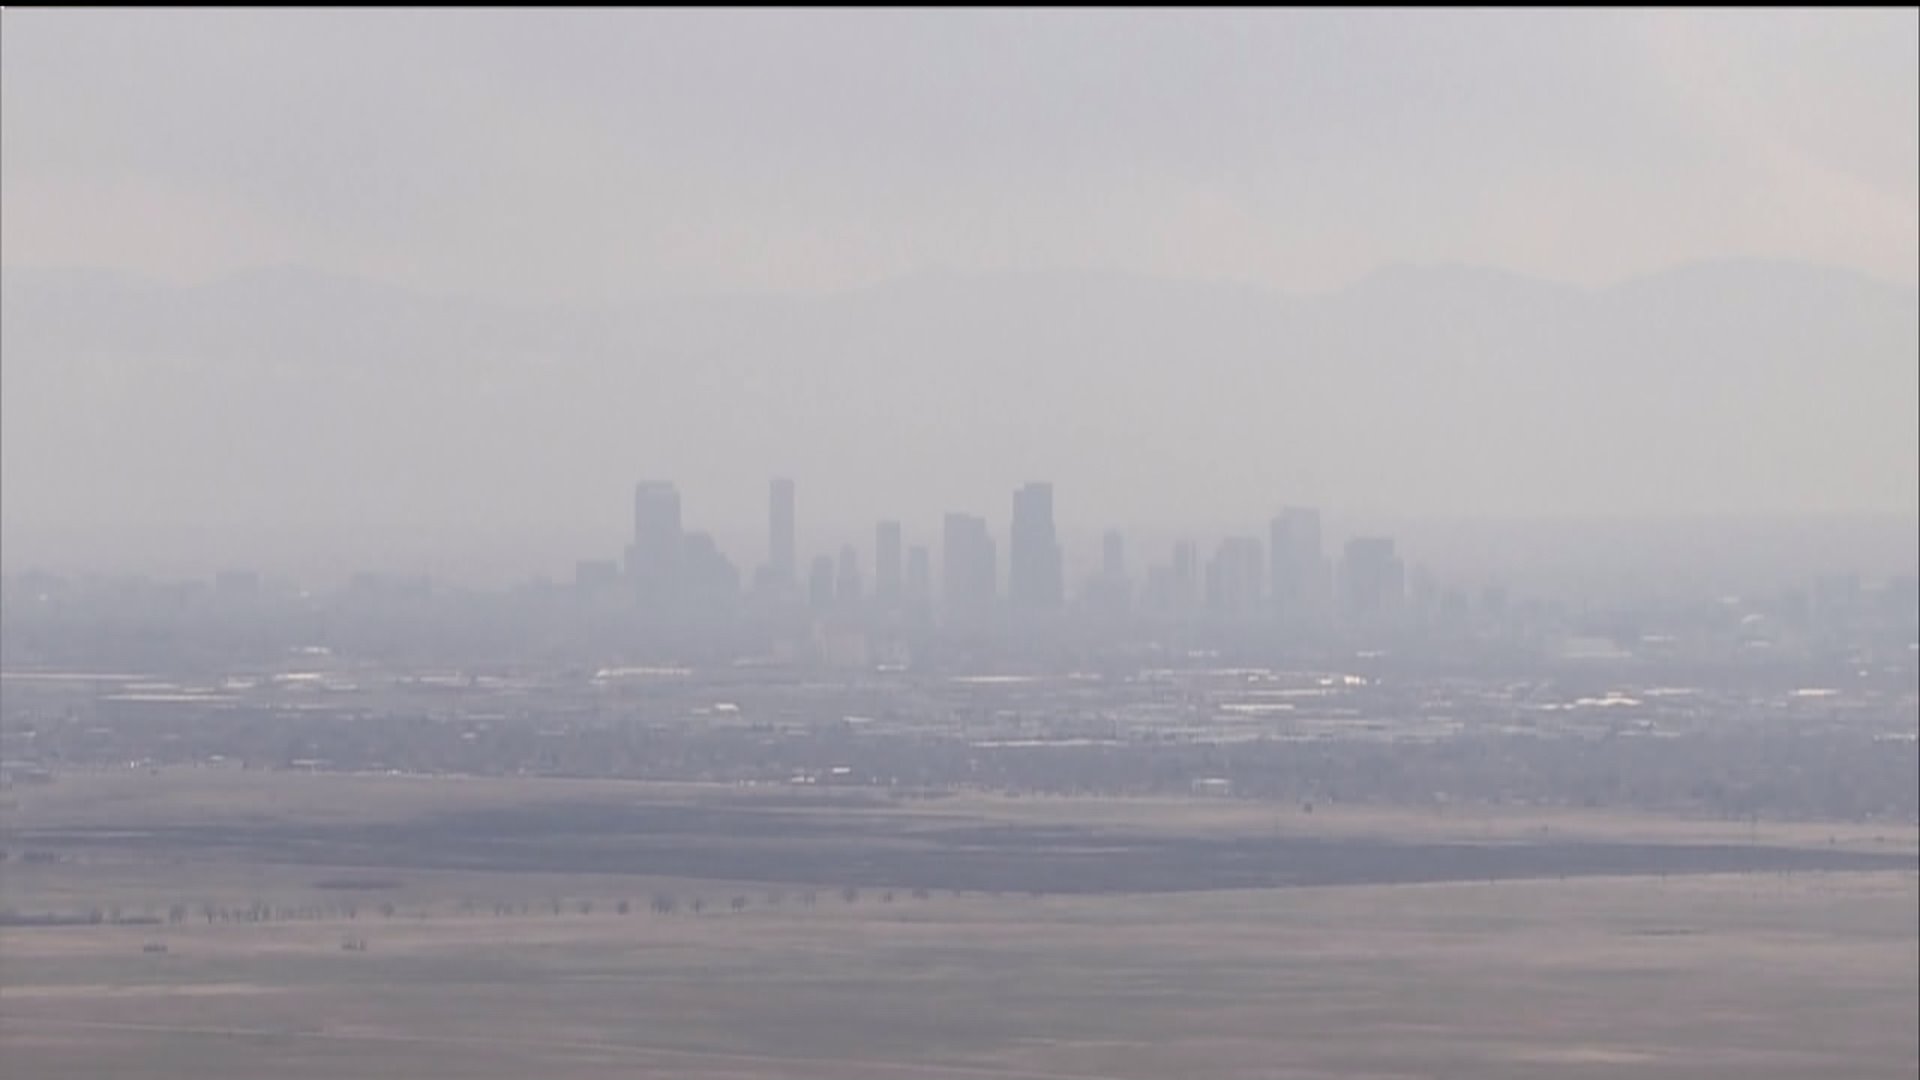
(1796, 958)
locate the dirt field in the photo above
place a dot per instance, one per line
(479, 973)
(1720, 977)
(829, 840)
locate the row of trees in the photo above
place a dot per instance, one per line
(259, 911)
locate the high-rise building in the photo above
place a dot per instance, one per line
(820, 583)
(846, 583)
(886, 564)
(1233, 578)
(968, 573)
(780, 531)
(1110, 592)
(1184, 581)
(1033, 568)
(1296, 566)
(1423, 595)
(709, 584)
(653, 559)
(596, 577)
(919, 598)
(1373, 579)
(1113, 555)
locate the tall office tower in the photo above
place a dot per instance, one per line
(596, 577)
(1113, 556)
(780, 531)
(653, 559)
(1156, 592)
(968, 572)
(1233, 578)
(820, 584)
(919, 584)
(1184, 584)
(1373, 578)
(1110, 592)
(710, 584)
(1422, 595)
(1297, 568)
(1033, 566)
(846, 582)
(1250, 563)
(886, 564)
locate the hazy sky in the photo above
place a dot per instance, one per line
(587, 155)
(592, 160)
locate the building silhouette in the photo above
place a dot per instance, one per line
(1296, 567)
(709, 583)
(968, 572)
(1110, 592)
(780, 532)
(1373, 580)
(847, 586)
(1233, 578)
(1185, 578)
(596, 577)
(654, 556)
(820, 583)
(1034, 564)
(919, 588)
(886, 565)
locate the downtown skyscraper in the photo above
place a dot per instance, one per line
(1034, 576)
(1297, 570)
(780, 532)
(969, 572)
(887, 567)
(654, 556)
(1373, 580)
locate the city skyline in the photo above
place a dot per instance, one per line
(1437, 394)
(1034, 580)
(1288, 578)
(959, 542)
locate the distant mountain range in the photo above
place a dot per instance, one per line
(285, 404)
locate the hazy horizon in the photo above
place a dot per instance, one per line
(580, 543)
(942, 271)
(1407, 267)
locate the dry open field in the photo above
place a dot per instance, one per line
(1760, 973)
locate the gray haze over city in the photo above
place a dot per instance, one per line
(1084, 545)
(322, 292)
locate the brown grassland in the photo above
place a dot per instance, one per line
(474, 975)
